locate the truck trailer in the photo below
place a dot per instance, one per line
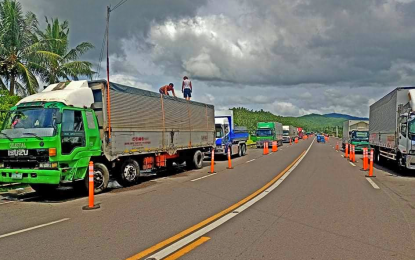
(356, 132)
(268, 132)
(289, 133)
(392, 127)
(229, 136)
(49, 138)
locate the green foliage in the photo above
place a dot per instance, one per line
(6, 102)
(55, 60)
(313, 122)
(27, 52)
(16, 39)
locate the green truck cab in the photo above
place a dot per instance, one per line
(360, 139)
(268, 132)
(45, 144)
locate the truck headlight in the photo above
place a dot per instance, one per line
(1, 164)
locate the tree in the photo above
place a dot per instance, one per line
(6, 102)
(55, 60)
(16, 40)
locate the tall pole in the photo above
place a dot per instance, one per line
(108, 77)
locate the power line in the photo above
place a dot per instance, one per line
(119, 4)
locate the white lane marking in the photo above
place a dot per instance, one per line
(32, 228)
(250, 160)
(211, 174)
(183, 242)
(373, 183)
(342, 155)
(7, 202)
(352, 164)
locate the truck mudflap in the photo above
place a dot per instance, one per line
(410, 162)
(29, 176)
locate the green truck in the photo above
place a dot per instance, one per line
(48, 139)
(356, 132)
(268, 132)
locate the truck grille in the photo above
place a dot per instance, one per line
(29, 161)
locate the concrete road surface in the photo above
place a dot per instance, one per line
(303, 202)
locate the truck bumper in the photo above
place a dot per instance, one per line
(260, 144)
(31, 176)
(410, 162)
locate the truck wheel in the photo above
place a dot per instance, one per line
(243, 150)
(101, 178)
(196, 161)
(240, 152)
(129, 174)
(44, 189)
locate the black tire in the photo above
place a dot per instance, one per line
(129, 173)
(101, 178)
(195, 161)
(240, 152)
(44, 189)
(243, 149)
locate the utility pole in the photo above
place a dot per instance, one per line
(108, 77)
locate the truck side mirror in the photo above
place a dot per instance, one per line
(58, 117)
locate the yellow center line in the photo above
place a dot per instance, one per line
(187, 248)
(212, 218)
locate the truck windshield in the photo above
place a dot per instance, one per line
(360, 135)
(286, 132)
(412, 126)
(263, 132)
(30, 123)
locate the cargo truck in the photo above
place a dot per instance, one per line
(392, 127)
(268, 132)
(49, 138)
(356, 132)
(289, 133)
(228, 135)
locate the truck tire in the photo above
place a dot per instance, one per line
(129, 173)
(101, 178)
(240, 152)
(195, 161)
(243, 149)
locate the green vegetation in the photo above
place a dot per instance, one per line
(27, 52)
(6, 102)
(312, 122)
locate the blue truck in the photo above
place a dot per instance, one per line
(228, 135)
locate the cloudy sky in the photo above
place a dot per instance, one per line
(290, 57)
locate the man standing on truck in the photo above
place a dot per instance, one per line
(187, 88)
(165, 89)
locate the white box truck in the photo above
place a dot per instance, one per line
(392, 127)
(289, 133)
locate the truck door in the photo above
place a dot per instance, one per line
(403, 134)
(74, 150)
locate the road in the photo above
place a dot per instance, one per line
(303, 202)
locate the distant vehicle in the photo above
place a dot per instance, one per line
(228, 135)
(356, 132)
(392, 127)
(321, 139)
(289, 133)
(300, 132)
(49, 138)
(268, 132)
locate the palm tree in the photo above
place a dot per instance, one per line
(16, 42)
(55, 60)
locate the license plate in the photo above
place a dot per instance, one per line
(20, 152)
(17, 176)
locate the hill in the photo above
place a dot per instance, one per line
(312, 122)
(347, 117)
